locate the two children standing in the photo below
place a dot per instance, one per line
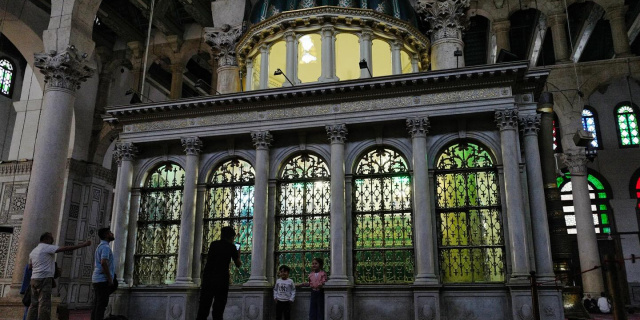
(284, 292)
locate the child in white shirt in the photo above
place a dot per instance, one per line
(284, 292)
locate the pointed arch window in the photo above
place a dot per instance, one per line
(383, 233)
(600, 207)
(158, 227)
(302, 214)
(627, 123)
(469, 218)
(590, 124)
(229, 202)
(6, 77)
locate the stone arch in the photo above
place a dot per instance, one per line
(213, 162)
(146, 165)
(487, 140)
(25, 38)
(278, 159)
(358, 150)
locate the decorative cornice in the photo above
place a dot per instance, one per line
(64, 69)
(15, 168)
(125, 151)
(530, 124)
(223, 40)
(418, 126)
(192, 145)
(576, 161)
(261, 139)
(507, 119)
(337, 133)
(446, 17)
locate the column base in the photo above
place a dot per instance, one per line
(338, 302)
(256, 303)
(426, 303)
(519, 279)
(548, 280)
(426, 279)
(183, 283)
(339, 281)
(257, 283)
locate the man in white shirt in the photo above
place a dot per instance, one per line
(603, 303)
(43, 265)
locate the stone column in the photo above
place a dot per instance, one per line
(592, 282)
(328, 54)
(63, 71)
(192, 147)
(262, 141)
(537, 203)
(365, 51)
(264, 67)
(177, 75)
(615, 15)
(124, 154)
(338, 135)
(507, 121)
(423, 219)
(248, 83)
(197, 247)
(501, 30)
(292, 58)
(396, 61)
(558, 22)
(129, 262)
(447, 21)
(223, 40)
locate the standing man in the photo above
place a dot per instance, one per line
(215, 279)
(43, 266)
(104, 275)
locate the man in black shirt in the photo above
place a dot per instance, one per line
(215, 279)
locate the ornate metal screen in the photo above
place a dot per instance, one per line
(157, 236)
(302, 214)
(229, 202)
(470, 235)
(383, 229)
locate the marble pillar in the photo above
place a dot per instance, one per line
(63, 71)
(592, 282)
(396, 61)
(537, 203)
(199, 227)
(124, 154)
(264, 67)
(338, 135)
(261, 140)
(192, 147)
(129, 262)
(558, 24)
(365, 51)
(507, 121)
(447, 20)
(423, 220)
(501, 30)
(328, 34)
(621, 45)
(223, 40)
(291, 59)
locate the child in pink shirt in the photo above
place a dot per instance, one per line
(317, 278)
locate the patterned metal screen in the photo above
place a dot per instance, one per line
(6, 77)
(302, 214)
(628, 126)
(470, 235)
(600, 208)
(229, 202)
(158, 232)
(383, 234)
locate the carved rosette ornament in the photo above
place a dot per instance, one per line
(337, 133)
(125, 151)
(418, 127)
(65, 69)
(192, 145)
(446, 17)
(223, 40)
(261, 139)
(530, 125)
(507, 119)
(576, 161)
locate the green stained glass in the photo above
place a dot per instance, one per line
(6, 77)
(602, 195)
(628, 126)
(604, 218)
(595, 182)
(606, 230)
(599, 202)
(603, 207)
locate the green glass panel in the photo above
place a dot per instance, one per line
(604, 218)
(595, 182)
(606, 230)
(602, 195)
(603, 207)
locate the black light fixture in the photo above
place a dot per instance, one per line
(136, 96)
(363, 65)
(201, 83)
(457, 54)
(279, 72)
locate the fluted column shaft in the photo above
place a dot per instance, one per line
(199, 227)
(615, 15)
(592, 282)
(559, 33)
(328, 34)
(291, 59)
(537, 203)
(261, 141)
(507, 121)
(365, 51)
(396, 61)
(423, 220)
(124, 154)
(192, 147)
(338, 135)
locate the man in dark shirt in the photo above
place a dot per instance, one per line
(215, 278)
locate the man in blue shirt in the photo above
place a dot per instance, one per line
(104, 274)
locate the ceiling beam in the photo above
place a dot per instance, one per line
(200, 11)
(121, 26)
(585, 32)
(166, 26)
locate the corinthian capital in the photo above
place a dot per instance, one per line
(530, 124)
(337, 133)
(446, 17)
(191, 145)
(125, 151)
(261, 139)
(418, 127)
(507, 119)
(223, 40)
(576, 161)
(63, 69)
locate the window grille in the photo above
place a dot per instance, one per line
(627, 122)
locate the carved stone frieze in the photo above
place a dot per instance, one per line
(530, 124)
(125, 151)
(15, 168)
(223, 40)
(65, 69)
(446, 17)
(418, 126)
(191, 145)
(507, 119)
(337, 133)
(261, 139)
(576, 161)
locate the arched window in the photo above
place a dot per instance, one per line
(6, 77)
(383, 228)
(157, 236)
(590, 124)
(557, 145)
(627, 122)
(302, 214)
(229, 202)
(599, 204)
(635, 189)
(470, 234)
